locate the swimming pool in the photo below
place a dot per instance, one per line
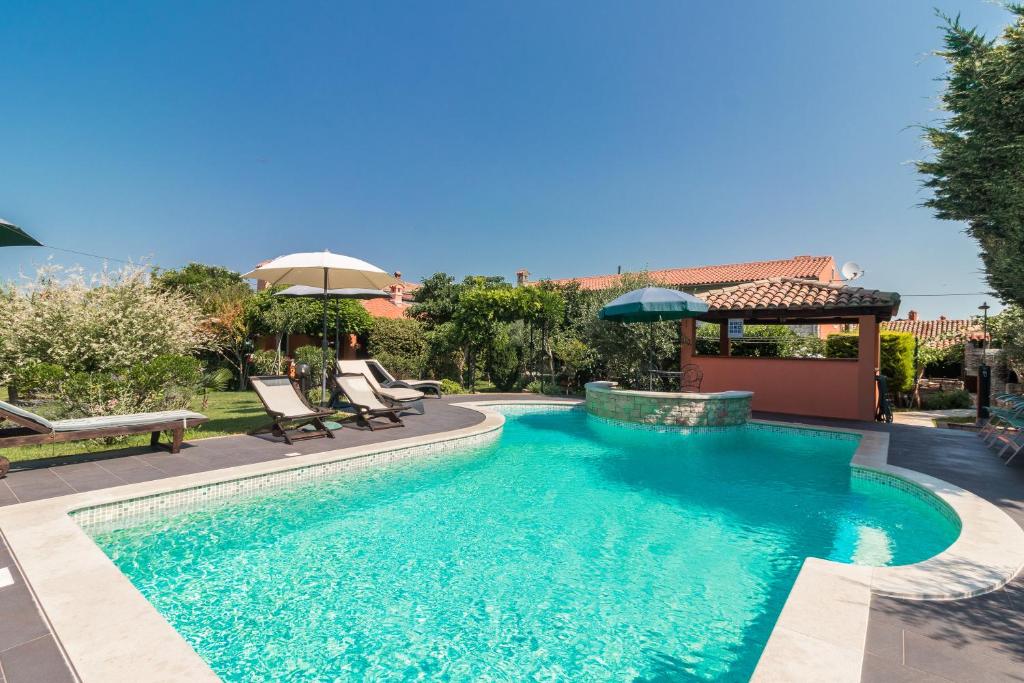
(569, 548)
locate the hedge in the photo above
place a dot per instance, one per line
(897, 352)
(400, 344)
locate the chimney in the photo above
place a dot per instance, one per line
(396, 289)
(522, 277)
(942, 317)
(261, 284)
(912, 315)
(619, 271)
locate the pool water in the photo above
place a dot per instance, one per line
(569, 549)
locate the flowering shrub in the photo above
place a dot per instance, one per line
(110, 345)
(115, 321)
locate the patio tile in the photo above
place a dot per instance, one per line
(880, 670)
(131, 470)
(885, 641)
(20, 621)
(173, 465)
(941, 657)
(7, 496)
(86, 476)
(36, 485)
(37, 661)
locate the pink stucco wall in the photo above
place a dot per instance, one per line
(816, 387)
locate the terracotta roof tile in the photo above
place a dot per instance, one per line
(384, 308)
(793, 294)
(941, 333)
(806, 267)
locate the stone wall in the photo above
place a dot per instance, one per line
(667, 408)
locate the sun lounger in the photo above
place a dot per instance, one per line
(35, 429)
(288, 409)
(366, 402)
(1012, 441)
(396, 394)
(430, 386)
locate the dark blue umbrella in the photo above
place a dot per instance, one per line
(653, 304)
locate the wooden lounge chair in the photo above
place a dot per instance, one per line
(34, 429)
(397, 395)
(288, 409)
(427, 386)
(366, 402)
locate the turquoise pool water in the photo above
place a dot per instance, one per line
(570, 549)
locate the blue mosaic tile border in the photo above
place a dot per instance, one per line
(910, 488)
(512, 409)
(750, 426)
(144, 509)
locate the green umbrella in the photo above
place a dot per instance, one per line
(13, 236)
(653, 304)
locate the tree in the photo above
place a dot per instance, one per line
(1007, 331)
(279, 316)
(208, 286)
(229, 333)
(977, 173)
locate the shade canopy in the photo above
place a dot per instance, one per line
(651, 304)
(303, 290)
(323, 270)
(13, 236)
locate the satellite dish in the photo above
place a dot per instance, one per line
(851, 271)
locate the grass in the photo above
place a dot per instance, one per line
(230, 412)
(964, 420)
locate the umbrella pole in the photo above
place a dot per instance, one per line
(323, 373)
(650, 359)
(337, 333)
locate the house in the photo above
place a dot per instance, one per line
(941, 333)
(699, 279)
(395, 306)
(702, 278)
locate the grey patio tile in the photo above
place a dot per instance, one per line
(36, 485)
(7, 496)
(37, 661)
(881, 670)
(173, 465)
(885, 641)
(20, 620)
(86, 476)
(131, 470)
(941, 657)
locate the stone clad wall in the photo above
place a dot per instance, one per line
(665, 408)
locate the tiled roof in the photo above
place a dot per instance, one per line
(792, 294)
(941, 333)
(805, 267)
(384, 308)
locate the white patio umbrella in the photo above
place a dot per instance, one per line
(325, 271)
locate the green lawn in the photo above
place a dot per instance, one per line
(230, 412)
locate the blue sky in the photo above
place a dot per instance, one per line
(480, 137)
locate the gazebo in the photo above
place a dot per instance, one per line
(821, 387)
